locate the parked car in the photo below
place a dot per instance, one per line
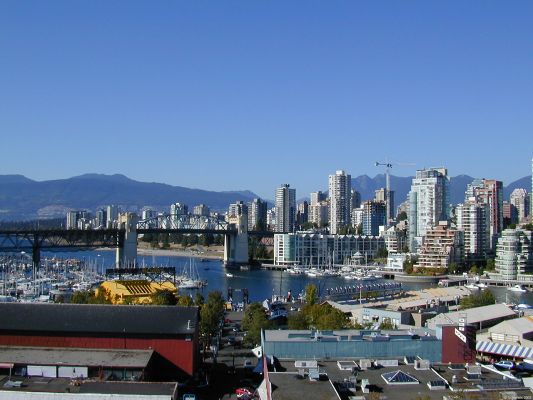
(244, 393)
(504, 364)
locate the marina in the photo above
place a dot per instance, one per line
(61, 274)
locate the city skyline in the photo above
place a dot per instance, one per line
(103, 88)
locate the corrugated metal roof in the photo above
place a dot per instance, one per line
(102, 319)
(473, 315)
(504, 349)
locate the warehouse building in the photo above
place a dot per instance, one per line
(170, 331)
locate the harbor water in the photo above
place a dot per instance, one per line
(261, 284)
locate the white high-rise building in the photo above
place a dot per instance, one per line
(428, 203)
(520, 201)
(201, 209)
(489, 192)
(340, 205)
(257, 215)
(318, 213)
(514, 254)
(285, 208)
(316, 197)
(112, 215)
(473, 219)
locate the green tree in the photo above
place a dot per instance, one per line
(254, 320)
(199, 299)
(408, 266)
(490, 265)
(311, 294)
(473, 269)
(164, 298)
(298, 321)
(211, 316)
(484, 298)
(309, 226)
(387, 325)
(402, 216)
(453, 268)
(185, 301)
(382, 253)
(81, 297)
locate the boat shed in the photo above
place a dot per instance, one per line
(170, 331)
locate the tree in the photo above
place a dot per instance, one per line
(490, 265)
(81, 297)
(387, 325)
(298, 321)
(185, 301)
(453, 268)
(211, 316)
(311, 294)
(382, 253)
(408, 266)
(473, 269)
(484, 298)
(254, 320)
(199, 299)
(90, 297)
(164, 298)
(402, 216)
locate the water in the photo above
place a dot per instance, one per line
(261, 284)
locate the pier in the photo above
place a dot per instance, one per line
(364, 290)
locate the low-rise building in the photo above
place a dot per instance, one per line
(170, 331)
(134, 291)
(508, 339)
(315, 249)
(480, 317)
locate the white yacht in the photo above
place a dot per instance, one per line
(517, 288)
(472, 286)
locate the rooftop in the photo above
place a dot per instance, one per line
(75, 357)
(64, 385)
(345, 335)
(473, 315)
(290, 386)
(101, 319)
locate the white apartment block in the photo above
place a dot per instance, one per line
(340, 195)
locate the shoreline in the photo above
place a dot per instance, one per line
(173, 253)
(178, 253)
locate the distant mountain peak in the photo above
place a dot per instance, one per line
(113, 177)
(14, 178)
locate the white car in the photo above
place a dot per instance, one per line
(504, 364)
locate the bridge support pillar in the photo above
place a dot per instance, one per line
(236, 245)
(126, 255)
(36, 251)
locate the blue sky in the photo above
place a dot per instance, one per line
(226, 95)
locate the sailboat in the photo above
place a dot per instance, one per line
(191, 278)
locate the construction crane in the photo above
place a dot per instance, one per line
(388, 165)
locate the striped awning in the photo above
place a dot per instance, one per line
(503, 349)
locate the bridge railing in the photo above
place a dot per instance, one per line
(184, 222)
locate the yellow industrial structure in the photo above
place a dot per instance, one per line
(134, 291)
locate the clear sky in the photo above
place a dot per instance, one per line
(225, 95)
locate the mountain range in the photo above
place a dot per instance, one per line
(22, 198)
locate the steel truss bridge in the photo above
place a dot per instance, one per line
(36, 240)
